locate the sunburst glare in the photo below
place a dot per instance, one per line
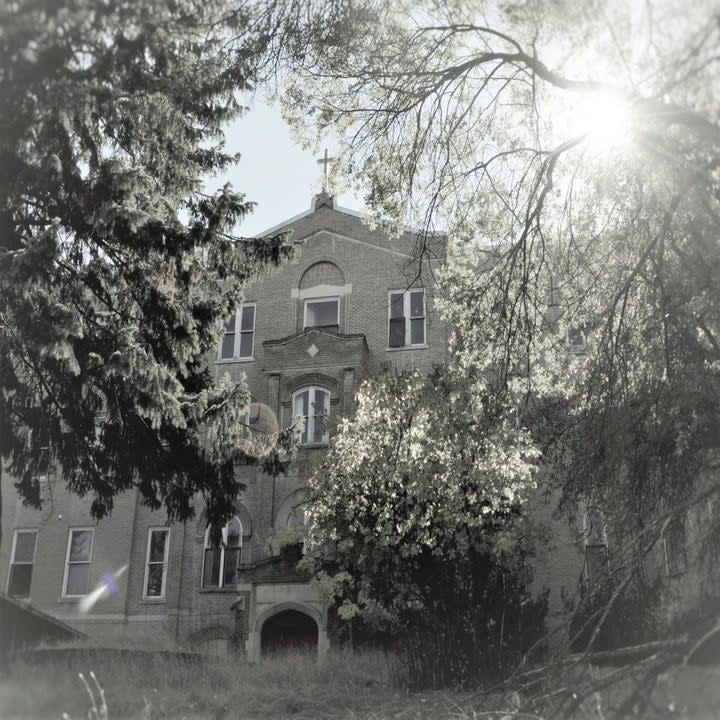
(605, 118)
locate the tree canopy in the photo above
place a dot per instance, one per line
(116, 269)
(571, 152)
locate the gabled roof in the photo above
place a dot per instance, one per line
(325, 216)
(31, 625)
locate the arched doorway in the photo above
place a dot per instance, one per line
(288, 630)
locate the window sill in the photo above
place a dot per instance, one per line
(154, 601)
(218, 591)
(406, 347)
(227, 361)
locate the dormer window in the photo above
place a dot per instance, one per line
(322, 314)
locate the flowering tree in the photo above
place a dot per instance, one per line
(415, 521)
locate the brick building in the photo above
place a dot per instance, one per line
(304, 337)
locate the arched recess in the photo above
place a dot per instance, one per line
(289, 626)
(321, 273)
(288, 506)
(315, 614)
(307, 379)
(240, 511)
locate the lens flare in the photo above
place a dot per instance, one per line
(108, 586)
(605, 118)
(258, 434)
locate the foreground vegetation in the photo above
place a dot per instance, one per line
(361, 686)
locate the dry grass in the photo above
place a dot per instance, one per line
(349, 685)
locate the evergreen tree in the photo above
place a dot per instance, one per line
(116, 269)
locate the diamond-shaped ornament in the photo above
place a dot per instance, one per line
(312, 351)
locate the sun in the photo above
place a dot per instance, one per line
(605, 118)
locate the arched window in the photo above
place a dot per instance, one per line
(220, 564)
(313, 404)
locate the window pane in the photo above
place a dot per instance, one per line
(232, 560)
(24, 547)
(211, 568)
(417, 306)
(296, 517)
(417, 331)
(318, 429)
(81, 545)
(154, 583)
(230, 324)
(77, 579)
(246, 344)
(321, 313)
(233, 533)
(301, 403)
(157, 545)
(20, 578)
(397, 306)
(247, 319)
(228, 346)
(397, 332)
(322, 402)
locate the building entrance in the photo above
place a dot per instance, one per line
(289, 630)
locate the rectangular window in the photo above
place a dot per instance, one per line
(406, 318)
(596, 550)
(220, 562)
(21, 563)
(77, 562)
(675, 547)
(323, 314)
(156, 562)
(239, 338)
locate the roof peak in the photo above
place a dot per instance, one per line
(323, 198)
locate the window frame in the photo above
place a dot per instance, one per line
(330, 298)
(595, 543)
(310, 418)
(164, 562)
(407, 317)
(206, 546)
(68, 562)
(237, 336)
(674, 545)
(15, 562)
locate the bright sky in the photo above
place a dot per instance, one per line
(273, 171)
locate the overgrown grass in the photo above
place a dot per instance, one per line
(347, 685)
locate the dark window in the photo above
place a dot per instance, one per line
(220, 563)
(322, 314)
(406, 321)
(675, 547)
(21, 563)
(79, 555)
(238, 340)
(156, 564)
